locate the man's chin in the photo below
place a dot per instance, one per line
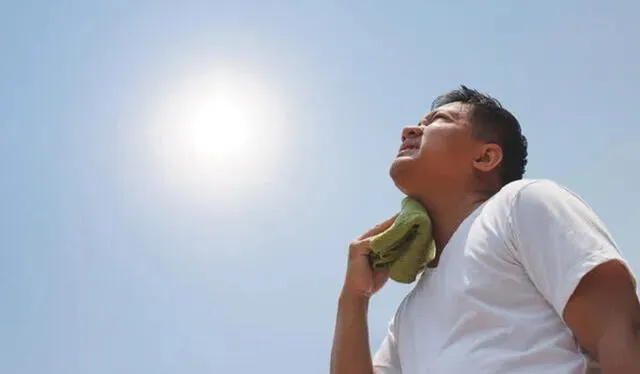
(401, 165)
(401, 172)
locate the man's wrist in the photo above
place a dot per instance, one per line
(353, 300)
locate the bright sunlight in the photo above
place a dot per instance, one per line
(217, 129)
(219, 135)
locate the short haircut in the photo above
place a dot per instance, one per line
(494, 124)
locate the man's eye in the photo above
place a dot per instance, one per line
(440, 116)
(433, 119)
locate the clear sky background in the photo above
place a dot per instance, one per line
(123, 251)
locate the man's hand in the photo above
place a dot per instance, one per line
(361, 280)
(351, 352)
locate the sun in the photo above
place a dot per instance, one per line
(218, 134)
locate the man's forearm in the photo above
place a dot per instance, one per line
(351, 351)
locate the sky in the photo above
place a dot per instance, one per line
(123, 250)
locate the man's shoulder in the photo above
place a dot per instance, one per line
(532, 200)
(528, 196)
(535, 185)
(532, 190)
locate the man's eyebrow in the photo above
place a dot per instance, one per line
(429, 117)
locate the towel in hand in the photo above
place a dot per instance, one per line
(407, 246)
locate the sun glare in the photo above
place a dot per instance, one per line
(218, 132)
(218, 135)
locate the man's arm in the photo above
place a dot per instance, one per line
(351, 351)
(574, 263)
(604, 315)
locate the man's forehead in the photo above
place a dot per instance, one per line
(457, 109)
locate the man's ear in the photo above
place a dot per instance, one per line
(489, 157)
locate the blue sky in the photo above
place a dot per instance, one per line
(107, 266)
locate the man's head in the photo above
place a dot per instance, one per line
(468, 141)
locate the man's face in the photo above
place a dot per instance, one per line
(438, 152)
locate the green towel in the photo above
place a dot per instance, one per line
(407, 246)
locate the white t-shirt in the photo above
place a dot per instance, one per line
(494, 303)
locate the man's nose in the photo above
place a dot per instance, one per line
(411, 132)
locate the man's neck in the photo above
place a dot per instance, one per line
(448, 211)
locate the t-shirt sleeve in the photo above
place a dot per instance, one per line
(386, 360)
(558, 239)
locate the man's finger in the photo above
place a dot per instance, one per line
(378, 228)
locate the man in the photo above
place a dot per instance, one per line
(526, 274)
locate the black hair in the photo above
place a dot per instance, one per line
(493, 123)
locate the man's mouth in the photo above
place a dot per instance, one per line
(408, 148)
